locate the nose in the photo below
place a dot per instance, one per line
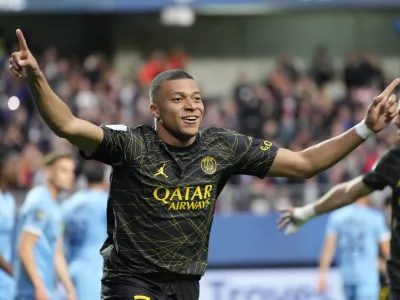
(190, 104)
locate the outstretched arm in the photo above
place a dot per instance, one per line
(339, 196)
(51, 108)
(313, 160)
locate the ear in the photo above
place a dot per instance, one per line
(154, 110)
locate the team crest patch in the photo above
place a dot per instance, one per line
(209, 165)
(39, 215)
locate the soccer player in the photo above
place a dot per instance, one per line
(355, 233)
(166, 178)
(386, 172)
(39, 246)
(85, 222)
(8, 180)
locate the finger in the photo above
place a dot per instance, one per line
(393, 115)
(15, 72)
(291, 229)
(377, 100)
(14, 65)
(23, 46)
(390, 88)
(285, 210)
(283, 223)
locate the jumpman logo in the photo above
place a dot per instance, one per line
(161, 172)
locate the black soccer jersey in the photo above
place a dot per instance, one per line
(162, 198)
(386, 172)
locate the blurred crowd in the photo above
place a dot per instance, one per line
(292, 108)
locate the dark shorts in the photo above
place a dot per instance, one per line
(144, 287)
(394, 294)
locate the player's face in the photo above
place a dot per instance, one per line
(62, 174)
(180, 108)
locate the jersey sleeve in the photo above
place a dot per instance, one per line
(119, 145)
(36, 219)
(252, 156)
(381, 174)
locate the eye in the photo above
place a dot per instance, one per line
(177, 99)
(197, 99)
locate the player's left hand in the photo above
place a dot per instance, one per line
(383, 109)
(291, 220)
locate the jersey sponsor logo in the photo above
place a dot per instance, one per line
(209, 165)
(118, 127)
(184, 198)
(266, 146)
(161, 172)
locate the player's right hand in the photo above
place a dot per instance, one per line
(41, 294)
(22, 63)
(292, 219)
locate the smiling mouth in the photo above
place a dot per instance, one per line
(191, 119)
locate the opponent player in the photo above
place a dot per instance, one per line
(386, 172)
(166, 178)
(85, 222)
(40, 251)
(8, 180)
(355, 233)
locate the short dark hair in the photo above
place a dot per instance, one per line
(93, 172)
(51, 158)
(174, 74)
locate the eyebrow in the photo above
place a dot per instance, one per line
(181, 93)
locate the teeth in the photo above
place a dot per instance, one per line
(191, 118)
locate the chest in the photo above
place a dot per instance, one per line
(52, 229)
(180, 169)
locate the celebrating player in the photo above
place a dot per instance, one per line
(386, 172)
(166, 178)
(356, 233)
(40, 251)
(85, 222)
(8, 180)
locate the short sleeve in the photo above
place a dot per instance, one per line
(36, 220)
(381, 174)
(331, 226)
(118, 147)
(383, 233)
(254, 156)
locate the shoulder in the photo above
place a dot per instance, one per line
(140, 130)
(391, 156)
(36, 196)
(223, 134)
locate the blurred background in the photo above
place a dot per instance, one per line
(295, 72)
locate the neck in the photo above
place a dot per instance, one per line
(171, 139)
(53, 190)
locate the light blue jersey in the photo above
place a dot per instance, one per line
(85, 220)
(40, 215)
(359, 229)
(7, 222)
